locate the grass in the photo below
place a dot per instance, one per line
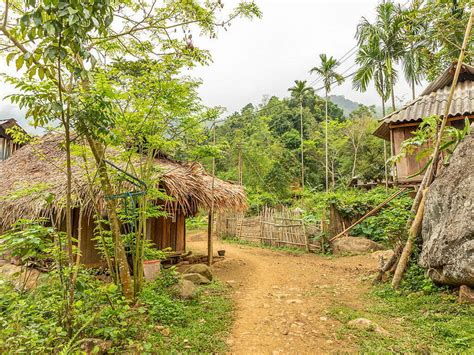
(287, 249)
(208, 319)
(417, 322)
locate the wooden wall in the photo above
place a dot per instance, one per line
(163, 232)
(7, 148)
(169, 232)
(410, 165)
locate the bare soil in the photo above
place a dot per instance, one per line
(283, 301)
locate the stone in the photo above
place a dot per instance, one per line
(385, 254)
(201, 269)
(354, 245)
(366, 324)
(20, 277)
(466, 294)
(196, 279)
(96, 346)
(448, 231)
(185, 289)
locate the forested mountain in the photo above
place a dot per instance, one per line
(262, 145)
(347, 105)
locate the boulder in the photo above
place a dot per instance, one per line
(367, 324)
(448, 228)
(201, 269)
(196, 278)
(185, 289)
(466, 294)
(354, 245)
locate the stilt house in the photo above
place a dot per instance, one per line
(33, 184)
(399, 125)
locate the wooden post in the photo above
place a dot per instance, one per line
(210, 246)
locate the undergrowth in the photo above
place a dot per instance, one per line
(31, 322)
(420, 318)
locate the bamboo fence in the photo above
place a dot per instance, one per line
(272, 227)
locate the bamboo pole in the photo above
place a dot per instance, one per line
(432, 169)
(367, 215)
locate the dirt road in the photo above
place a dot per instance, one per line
(283, 301)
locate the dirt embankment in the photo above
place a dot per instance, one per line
(283, 300)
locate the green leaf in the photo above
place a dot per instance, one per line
(19, 62)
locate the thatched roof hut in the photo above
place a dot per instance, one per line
(33, 184)
(38, 170)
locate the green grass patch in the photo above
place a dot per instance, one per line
(417, 322)
(287, 249)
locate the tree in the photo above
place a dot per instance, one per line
(299, 91)
(414, 59)
(327, 71)
(385, 34)
(63, 45)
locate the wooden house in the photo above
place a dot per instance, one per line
(7, 145)
(36, 171)
(399, 125)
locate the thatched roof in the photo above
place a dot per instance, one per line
(433, 100)
(37, 171)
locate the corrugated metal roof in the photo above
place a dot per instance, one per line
(435, 104)
(434, 99)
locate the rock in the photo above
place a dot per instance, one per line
(354, 245)
(185, 289)
(366, 324)
(96, 346)
(448, 231)
(20, 277)
(385, 254)
(196, 279)
(201, 269)
(466, 294)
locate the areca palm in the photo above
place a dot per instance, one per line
(386, 33)
(327, 71)
(414, 31)
(299, 91)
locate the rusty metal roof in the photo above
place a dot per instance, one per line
(434, 99)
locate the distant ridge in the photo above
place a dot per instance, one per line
(348, 105)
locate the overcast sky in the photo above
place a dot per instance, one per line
(263, 57)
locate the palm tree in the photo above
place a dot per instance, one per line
(371, 60)
(299, 91)
(414, 31)
(386, 33)
(327, 71)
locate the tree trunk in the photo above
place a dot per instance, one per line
(326, 145)
(385, 168)
(392, 95)
(354, 163)
(302, 145)
(413, 94)
(123, 271)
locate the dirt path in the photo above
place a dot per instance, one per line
(283, 301)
